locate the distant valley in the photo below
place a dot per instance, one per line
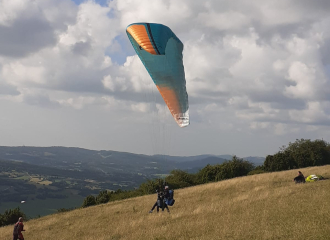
(48, 178)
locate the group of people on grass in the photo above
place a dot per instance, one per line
(163, 195)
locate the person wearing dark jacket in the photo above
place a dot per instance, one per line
(18, 229)
(300, 178)
(160, 203)
(166, 196)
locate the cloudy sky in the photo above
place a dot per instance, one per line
(257, 73)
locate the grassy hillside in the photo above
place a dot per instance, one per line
(265, 206)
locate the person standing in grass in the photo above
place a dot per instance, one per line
(166, 195)
(18, 229)
(159, 202)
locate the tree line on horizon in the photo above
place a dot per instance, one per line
(299, 154)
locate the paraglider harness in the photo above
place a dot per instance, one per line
(168, 195)
(169, 200)
(165, 197)
(16, 229)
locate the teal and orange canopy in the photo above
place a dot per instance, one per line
(161, 53)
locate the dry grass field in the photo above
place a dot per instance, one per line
(265, 206)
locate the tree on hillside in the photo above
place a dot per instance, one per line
(234, 168)
(103, 197)
(279, 161)
(89, 201)
(149, 187)
(180, 179)
(208, 173)
(302, 153)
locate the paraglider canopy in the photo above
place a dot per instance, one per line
(160, 50)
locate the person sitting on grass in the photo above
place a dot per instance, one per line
(300, 178)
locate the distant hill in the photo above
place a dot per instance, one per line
(192, 158)
(179, 159)
(109, 161)
(79, 159)
(264, 206)
(183, 158)
(256, 160)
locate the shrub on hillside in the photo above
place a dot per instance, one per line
(120, 194)
(60, 210)
(257, 170)
(11, 216)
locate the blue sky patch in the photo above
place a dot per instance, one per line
(119, 49)
(103, 3)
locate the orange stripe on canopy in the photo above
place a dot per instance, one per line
(171, 100)
(140, 35)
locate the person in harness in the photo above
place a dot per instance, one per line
(300, 178)
(168, 196)
(18, 229)
(159, 202)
